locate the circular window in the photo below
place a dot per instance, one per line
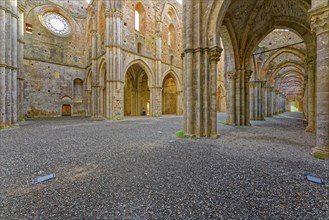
(57, 24)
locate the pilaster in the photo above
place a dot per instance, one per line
(320, 26)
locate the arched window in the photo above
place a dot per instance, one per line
(139, 18)
(171, 36)
(137, 21)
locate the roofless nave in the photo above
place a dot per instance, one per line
(114, 59)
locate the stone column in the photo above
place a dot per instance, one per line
(114, 69)
(248, 74)
(14, 63)
(95, 76)
(2, 64)
(214, 58)
(272, 100)
(155, 102)
(305, 99)
(252, 86)
(310, 68)
(257, 100)
(275, 109)
(320, 25)
(9, 84)
(158, 72)
(231, 78)
(268, 102)
(20, 57)
(263, 100)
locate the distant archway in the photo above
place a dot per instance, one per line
(136, 92)
(169, 95)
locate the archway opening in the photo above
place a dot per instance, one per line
(136, 92)
(294, 106)
(169, 96)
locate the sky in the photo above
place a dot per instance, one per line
(179, 1)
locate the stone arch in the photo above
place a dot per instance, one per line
(145, 67)
(214, 18)
(280, 23)
(169, 94)
(137, 94)
(283, 65)
(290, 50)
(177, 79)
(168, 7)
(230, 48)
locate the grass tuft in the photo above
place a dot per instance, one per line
(180, 134)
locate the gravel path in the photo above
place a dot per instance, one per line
(129, 170)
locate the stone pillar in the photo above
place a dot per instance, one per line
(157, 111)
(320, 25)
(257, 99)
(231, 79)
(248, 74)
(156, 101)
(9, 84)
(275, 102)
(263, 100)
(268, 102)
(305, 99)
(20, 57)
(272, 104)
(14, 63)
(214, 58)
(179, 110)
(197, 72)
(252, 86)
(114, 69)
(310, 68)
(95, 76)
(2, 64)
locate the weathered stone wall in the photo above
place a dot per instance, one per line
(52, 62)
(46, 85)
(113, 40)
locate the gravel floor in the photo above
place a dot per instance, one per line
(129, 170)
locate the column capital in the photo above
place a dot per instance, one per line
(320, 20)
(215, 53)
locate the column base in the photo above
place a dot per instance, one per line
(320, 153)
(310, 129)
(214, 136)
